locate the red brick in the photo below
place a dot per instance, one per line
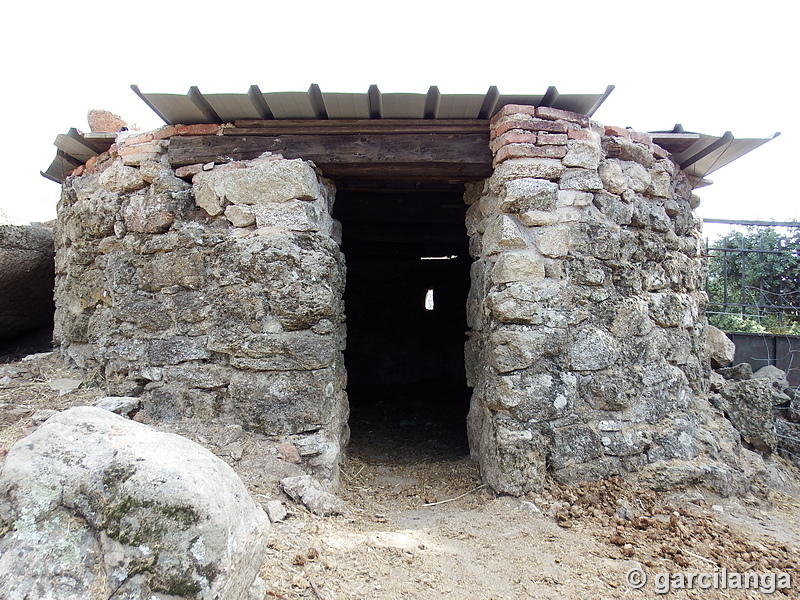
(142, 138)
(556, 114)
(529, 151)
(529, 124)
(515, 136)
(552, 139)
(199, 129)
(617, 131)
(580, 134)
(513, 109)
(165, 132)
(91, 162)
(522, 122)
(104, 121)
(77, 172)
(188, 170)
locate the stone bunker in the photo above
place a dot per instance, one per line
(534, 279)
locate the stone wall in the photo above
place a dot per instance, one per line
(214, 292)
(587, 346)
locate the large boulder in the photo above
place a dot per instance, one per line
(720, 348)
(27, 275)
(748, 406)
(95, 506)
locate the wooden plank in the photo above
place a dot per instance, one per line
(457, 157)
(356, 126)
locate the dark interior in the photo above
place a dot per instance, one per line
(405, 363)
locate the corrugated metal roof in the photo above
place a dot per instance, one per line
(195, 107)
(698, 154)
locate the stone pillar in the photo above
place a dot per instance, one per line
(587, 336)
(214, 292)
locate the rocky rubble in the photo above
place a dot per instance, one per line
(761, 406)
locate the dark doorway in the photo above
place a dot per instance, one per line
(407, 283)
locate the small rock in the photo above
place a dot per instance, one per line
(617, 540)
(625, 510)
(236, 451)
(740, 372)
(5, 382)
(276, 511)
(121, 405)
(231, 434)
(37, 356)
(65, 386)
(310, 493)
(774, 374)
(530, 508)
(289, 453)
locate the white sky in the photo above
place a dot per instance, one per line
(710, 65)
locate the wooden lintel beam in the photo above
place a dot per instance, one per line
(356, 126)
(441, 157)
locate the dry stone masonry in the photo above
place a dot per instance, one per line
(587, 350)
(214, 291)
(217, 296)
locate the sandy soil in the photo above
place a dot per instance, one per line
(422, 526)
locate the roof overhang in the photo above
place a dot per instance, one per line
(699, 154)
(195, 107)
(287, 116)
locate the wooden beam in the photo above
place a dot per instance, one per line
(357, 126)
(431, 156)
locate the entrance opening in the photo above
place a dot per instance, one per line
(407, 283)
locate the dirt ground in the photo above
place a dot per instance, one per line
(422, 526)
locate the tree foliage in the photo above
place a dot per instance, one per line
(755, 291)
